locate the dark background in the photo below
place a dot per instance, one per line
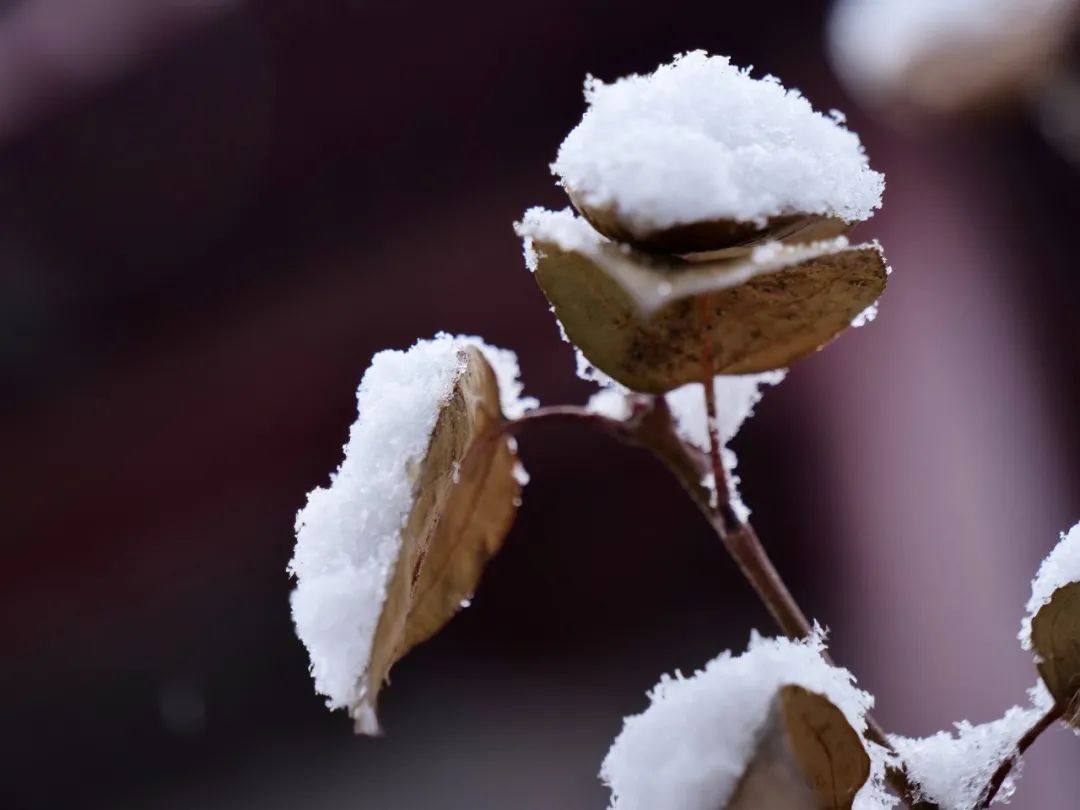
(213, 213)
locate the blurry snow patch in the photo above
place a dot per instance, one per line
(688, 750)
(952, 770)
(348, 535)
(610, 403)
(736, 397)
(875, 43)
(699, 139)
(1061, 567)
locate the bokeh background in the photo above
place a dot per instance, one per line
(213, 212)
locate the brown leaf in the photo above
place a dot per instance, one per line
(808, 758)
(465, 502)
(717, 238)
(1055, 637)
(655, 323)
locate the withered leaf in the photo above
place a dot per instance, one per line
(656, 323)
(1055, 637)
(466, 498)
(716, 238)
(808, 758)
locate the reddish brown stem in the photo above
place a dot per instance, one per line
(1054, 714)
(729, 521)
(651, 427)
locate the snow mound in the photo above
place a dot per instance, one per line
(348, 535)
(700, 139)
(688, 750)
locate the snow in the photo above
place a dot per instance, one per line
(348, 535)
(868, 315)
(700, 139)
(876, 42)
(563, 228)
(736, 397)
(689, 748)
(611, 403)
(953, 770)
(649, 287)
(1061, 567)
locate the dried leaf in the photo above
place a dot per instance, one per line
(466, 499)
(717, 238)
(1055, 637)
(808, 758)
(656, 323)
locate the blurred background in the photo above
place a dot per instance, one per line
(213, 212)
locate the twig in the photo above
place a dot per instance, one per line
(651, 427)
(1054, 714)
(729, 521)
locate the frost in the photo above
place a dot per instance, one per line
(1061, 567)
(953, 770)
(348, 535)
(736, 397)
(699, 139)
(688, 750)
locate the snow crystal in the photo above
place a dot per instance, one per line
(699, 139)
(875, 43)
(348, 535)
(563, 228)
(736, 397)
(688, 750)
(868, 315)
(953, 770)
(1061, 567)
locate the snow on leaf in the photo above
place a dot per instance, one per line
(808, 757)
(698, 155)
(654, 323)
(1060, 568)
(1051, 627)
(425, 496)
(699, 738)
(947, 56)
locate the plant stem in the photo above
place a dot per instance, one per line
(651, 427)
(742, 543)
(1054, 714)
(729, 521)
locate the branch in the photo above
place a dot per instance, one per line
(1054, 714)
(650, 426)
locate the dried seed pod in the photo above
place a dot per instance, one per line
(657, 323)
(808, 758)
